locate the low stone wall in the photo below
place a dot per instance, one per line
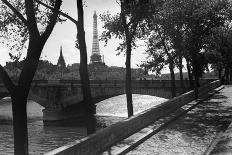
(222, 144)
(105, 138)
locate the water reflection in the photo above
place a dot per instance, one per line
(44, 138)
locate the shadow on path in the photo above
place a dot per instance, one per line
(193, 132)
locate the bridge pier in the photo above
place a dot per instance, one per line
(3, 94)
(57, 118)
(70, 115)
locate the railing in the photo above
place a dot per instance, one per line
(105, 138)
(117, 82)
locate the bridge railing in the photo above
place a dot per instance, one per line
(159, 83)
(105, 138)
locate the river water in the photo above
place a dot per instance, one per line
(43, 139)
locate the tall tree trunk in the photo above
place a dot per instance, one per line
(128, 80)
(196, 78)
(19, 109)
(230, 74)
(171, 63)
(173, 88)
(223, 76)
(181, 75)
(227, 74)
(190, 75)
(129, 36)
(220, 74)
(19, 96)
(194, 53)
(20, 92)
(84, 75)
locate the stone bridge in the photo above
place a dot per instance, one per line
(62, 96)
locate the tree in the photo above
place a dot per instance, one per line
(171, 21)
(14, 67)
(83, 69)
(200, 18)
(218, 52)
(165, 40)
(186, 24)
(168, 26)
(160, 49)
(155, 61)
(44, 70)
(14, 15)
(129, 25)
(87, 97)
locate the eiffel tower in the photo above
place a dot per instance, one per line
(96, 56)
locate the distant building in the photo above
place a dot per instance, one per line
(96, 56)
(74, 67)
(96, 68)
(61, 65)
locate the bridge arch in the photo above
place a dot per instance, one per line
(36, 98)
(4, 94)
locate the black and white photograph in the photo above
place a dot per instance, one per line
(115, 77)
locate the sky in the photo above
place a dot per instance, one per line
(64, 35)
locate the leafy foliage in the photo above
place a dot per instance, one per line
(218, 48)
(137, 14)
(13, 32)
(184, 25)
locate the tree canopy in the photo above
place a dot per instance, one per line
(19, 22)
(14, 26)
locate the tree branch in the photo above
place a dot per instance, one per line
(30, 13)
(125, 25)
(52, 21)
(134, 27)
(60, 12)
(19, 15)
(163, 43)
(6, 80)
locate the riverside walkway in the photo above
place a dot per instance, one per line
(205, 130)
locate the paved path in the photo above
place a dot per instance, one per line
(191, 134)
(222, 144)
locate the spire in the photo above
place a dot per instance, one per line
(95, 14)
(61, 54)
(61, 61)
(96, 56)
